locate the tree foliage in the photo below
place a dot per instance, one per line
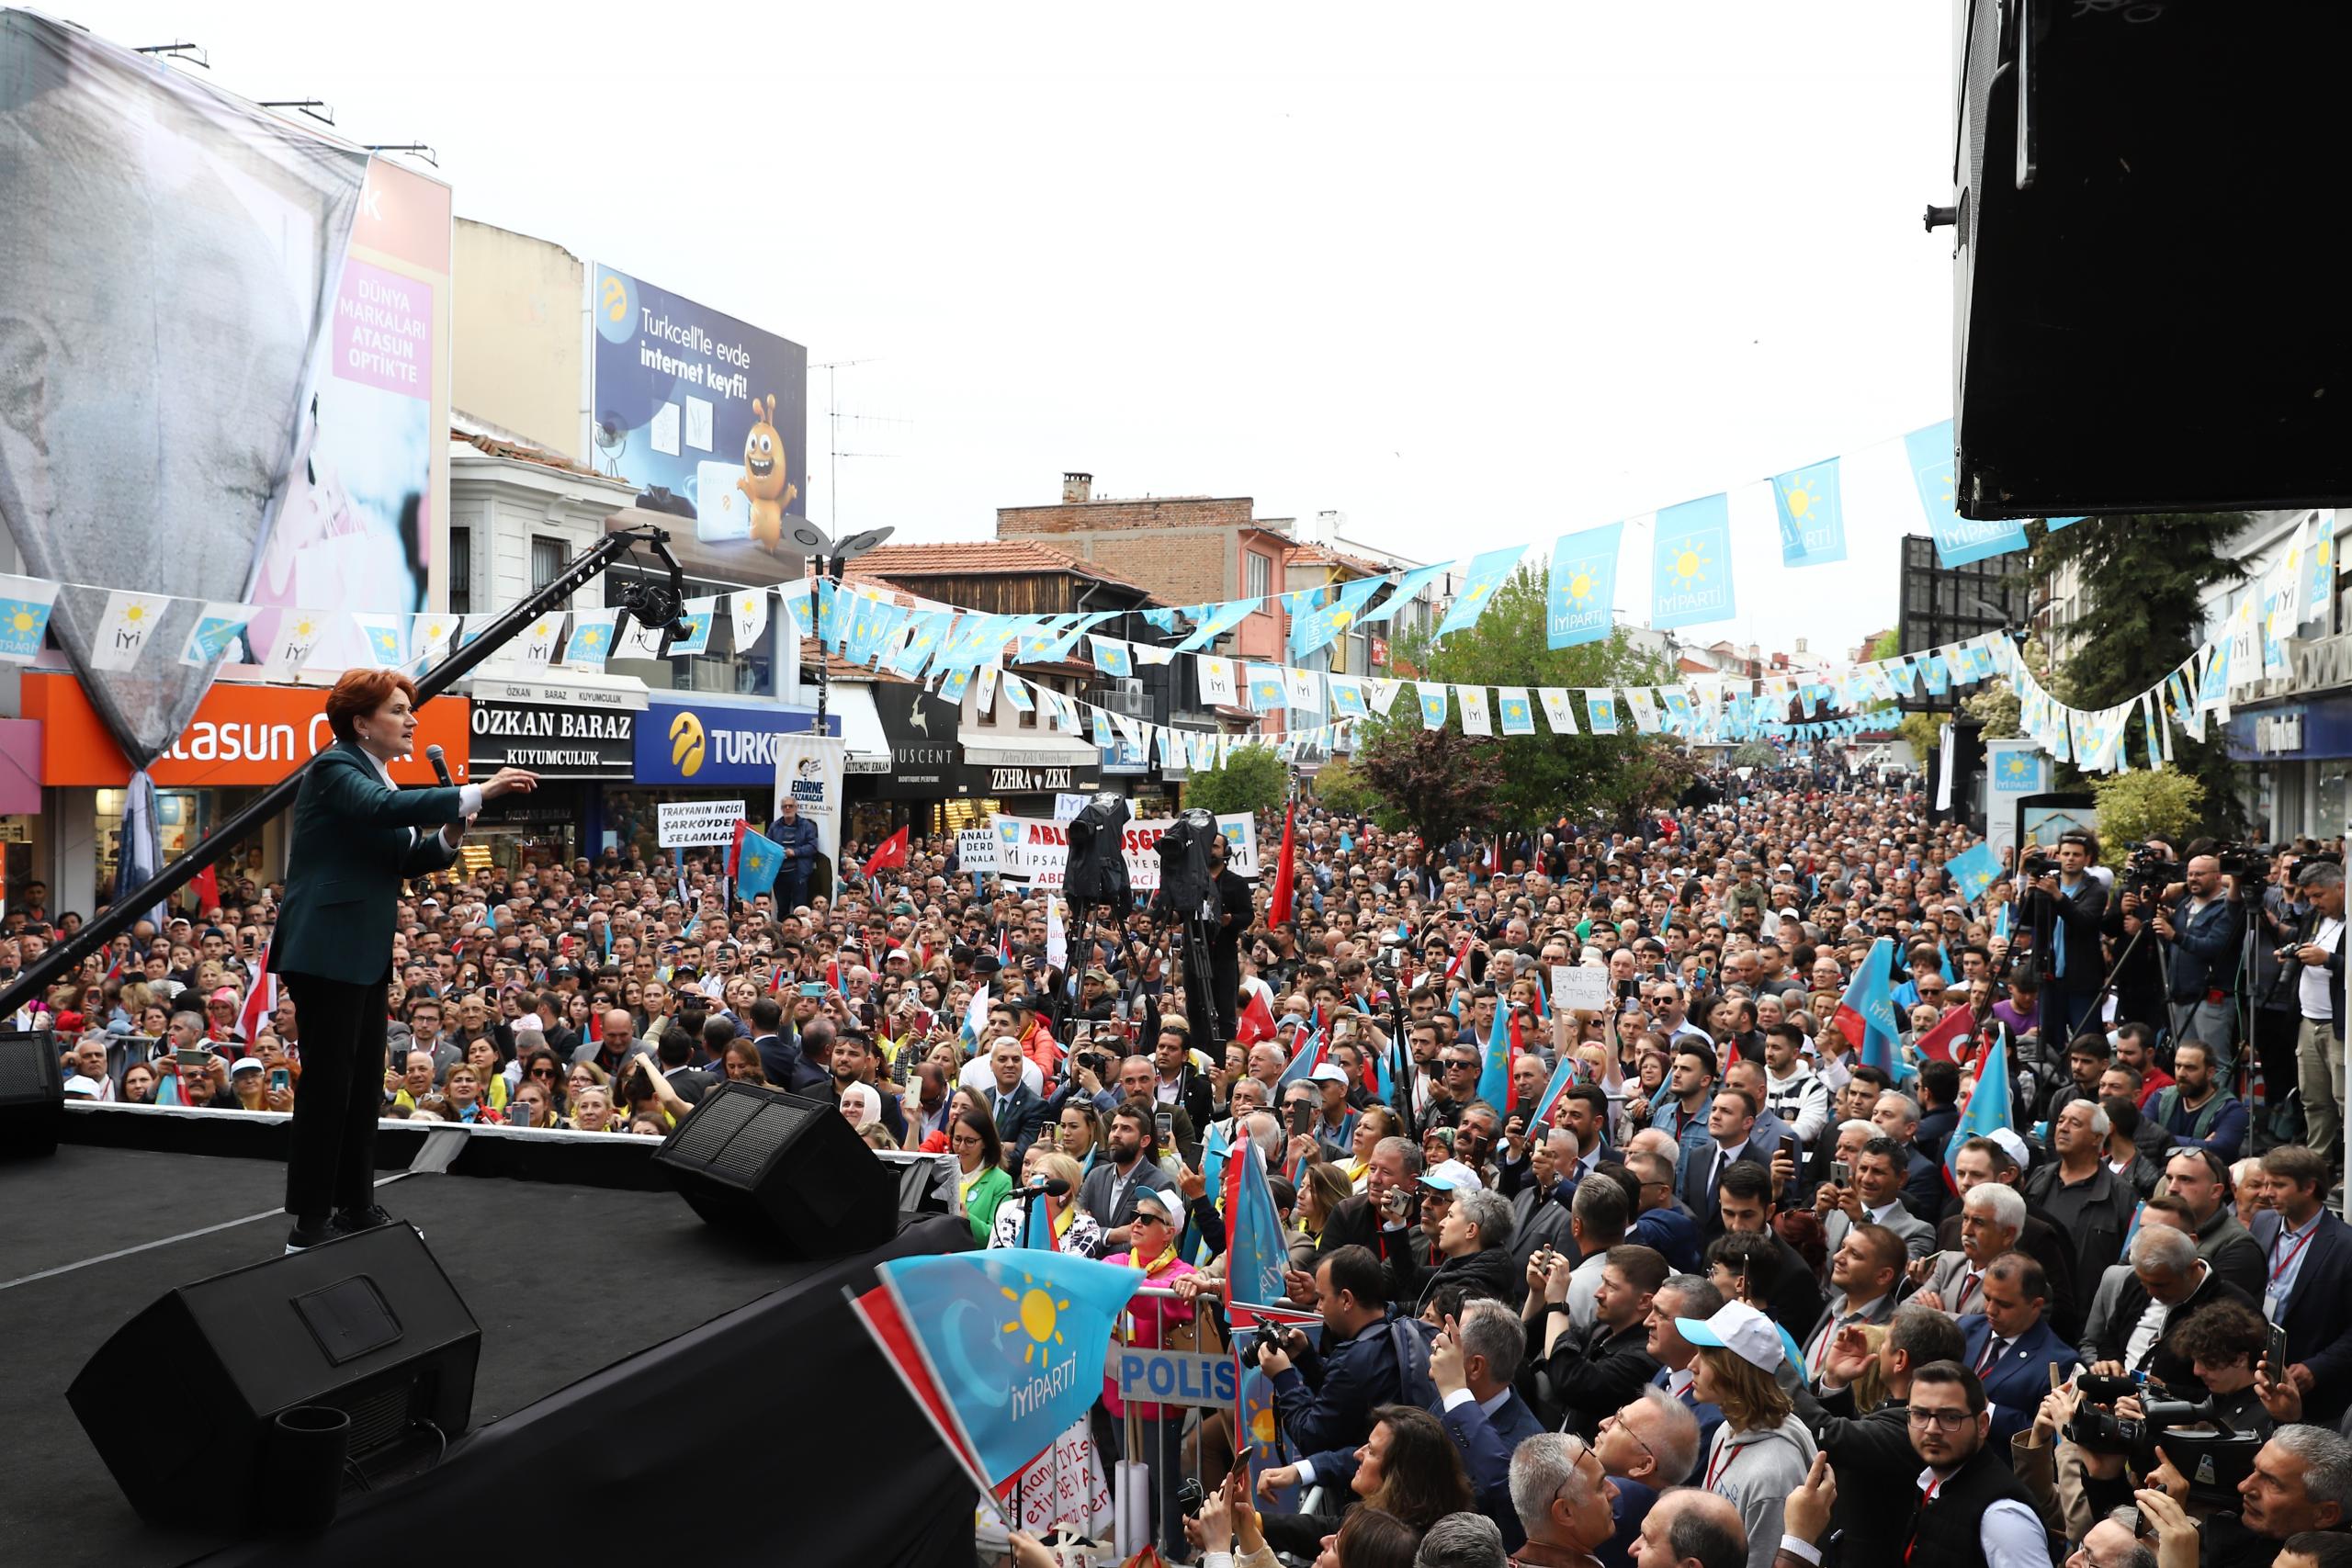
(1544, 775)
(1439, 782)
(2141, 618)
(1343, 788)
(1253, 779)
(2141, 805)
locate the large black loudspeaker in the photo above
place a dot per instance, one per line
(2149, 236)
(788, 1170)
(182, 1400)
(32, 1097)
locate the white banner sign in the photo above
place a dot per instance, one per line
(1577, 985)
(697, 824)
(976, 849)
(1031, 850)
(808, 769)
(1069, 806)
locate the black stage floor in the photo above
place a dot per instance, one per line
(648, 1385)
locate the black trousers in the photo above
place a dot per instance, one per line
(333, 1163)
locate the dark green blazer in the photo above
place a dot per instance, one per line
(355, 839)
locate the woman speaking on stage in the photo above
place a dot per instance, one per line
(357, 837)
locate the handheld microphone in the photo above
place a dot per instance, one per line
(434, 755)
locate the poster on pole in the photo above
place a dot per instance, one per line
(808, 769)
(697, 824)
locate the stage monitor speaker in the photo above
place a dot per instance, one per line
(2147, 312)
(32, 1097)
(181, 1402)
(789, 1170)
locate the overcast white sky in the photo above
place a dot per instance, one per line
(1468, 274)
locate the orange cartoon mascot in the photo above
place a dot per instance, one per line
(764, 476)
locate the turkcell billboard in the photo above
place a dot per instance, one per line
(706, 415)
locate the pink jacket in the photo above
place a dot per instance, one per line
(1151, 1316)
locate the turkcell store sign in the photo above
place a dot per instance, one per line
(708, 415)
(686, 740)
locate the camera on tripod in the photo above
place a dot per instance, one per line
(2039, 865)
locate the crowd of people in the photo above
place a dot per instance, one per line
(1746, 1293)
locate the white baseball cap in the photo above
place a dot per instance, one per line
(1452, 1176)
(1328, 1072)
(1740, 1330)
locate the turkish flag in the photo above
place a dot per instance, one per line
(1257, 1021)
(892, 852)
(207, 886)
(1279, 912)
(1949, 1030)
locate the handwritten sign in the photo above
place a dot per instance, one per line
(1577, 985)
(976, 849)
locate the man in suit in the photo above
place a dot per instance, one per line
(1876, 1197)
(1992, 1217)
(1865, 1270)
(356, 837)
(1182, 1086)
(1683, 1296)
(2010, 1345)
(1730, 1125)
(1472, 1370)
(2308, 1254)
(1019, 1109)
(1793, 1299)
(1981, 1160)
(1109, 1190)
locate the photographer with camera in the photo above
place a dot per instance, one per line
(1324, 1398)
(2075, 904)
(2203, 931)
(2318, 980)
(2169, 1283)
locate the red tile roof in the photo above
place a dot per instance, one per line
(985, 557)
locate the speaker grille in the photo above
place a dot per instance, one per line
(747, 1154)
(20, 1071)
(733, 1137)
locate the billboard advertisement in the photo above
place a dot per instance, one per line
(706, 415)
(683, 739)
(368, 494)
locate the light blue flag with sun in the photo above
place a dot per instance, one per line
(1601, 710)
(1975, 869)
(1015, 1341)
(1690, 564)
(1110, 656)
(1578, 606)
(952, 685)
(1514, 711)
(2019, 770)
(1266, 690)
(1958, 541)
(1409, 588)
(697, 614)
(1813, 515)
(1488, 572)
(1433, 699)
(381, 634)
(1222, 618)
(23, 617)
